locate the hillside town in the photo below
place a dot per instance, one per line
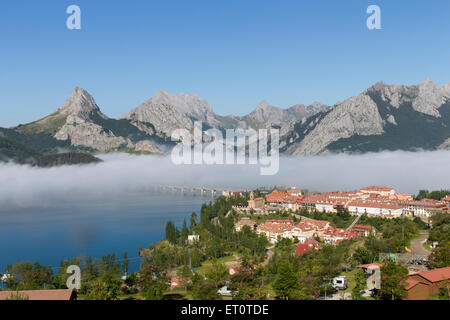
(311, 235)
(376, 201)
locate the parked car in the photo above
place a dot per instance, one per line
(340, 283)
(225, 291)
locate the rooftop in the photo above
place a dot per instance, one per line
(436, 275)
(62, 294)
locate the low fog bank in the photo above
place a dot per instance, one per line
(407, 172)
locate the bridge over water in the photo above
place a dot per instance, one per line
(194, 190)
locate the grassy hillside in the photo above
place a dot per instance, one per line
(48, 125)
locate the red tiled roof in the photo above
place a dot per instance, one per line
(426, 203)
(436, 275)
(376, 188)
(245, 222)
(318, 223)
(364, 266)
(362, 227)
(62, 294)
(410, 283)
(313, 242)
(276, 225)
(303, 248)
(375, 204)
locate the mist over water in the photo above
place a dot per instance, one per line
(407, 172)
(54, 213)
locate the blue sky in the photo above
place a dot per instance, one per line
(232, 53)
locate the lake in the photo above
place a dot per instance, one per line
(93, 227)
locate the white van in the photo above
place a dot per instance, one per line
(340, 283)
(225, 292)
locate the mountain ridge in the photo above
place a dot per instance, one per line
(382, 117)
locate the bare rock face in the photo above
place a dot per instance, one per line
(80, 104)
(189, 105)
(165, 118)
(356, 116)
(266, 115)
(146, 146)
(426, 97)
(82, 129)
(82, 132)
(394, 94)
(168, 112)
(430, 97)
(446, 88)
(445, 145)
(391, 120)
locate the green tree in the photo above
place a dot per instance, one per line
(248, 282)
(218, 272)
(125, 262)
(444, 291)
(440, 257)
(97, 290)
(360, 284)
(362, 256)
(131, 280)
(171, 232)
(393, 281)
(184, 232)
(202, 290)
(286, 284)
(193, 220)
(153, 281)
(30, 276)
(112, 280)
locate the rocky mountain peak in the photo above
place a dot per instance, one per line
(265, 106)
(446, 88)
(427, 82)
(317, 104)
(189, 105)
(379, 86)
(80, 103)
(429, 98)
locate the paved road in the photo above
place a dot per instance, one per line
(416, 245)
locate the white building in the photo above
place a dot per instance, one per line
(193, 238)
(375, 208)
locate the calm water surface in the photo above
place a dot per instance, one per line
(92, 227)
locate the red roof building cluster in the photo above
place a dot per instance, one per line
(423, 284)
(336, 235)
(244, 222)
(281, 197)
(276, 226)
(307, 246)
(363, 230)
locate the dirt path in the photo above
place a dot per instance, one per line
(417, 247)
(269, 255)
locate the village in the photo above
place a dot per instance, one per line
(373, 201)
(282, 243)
(310, 234)
(377, 201)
